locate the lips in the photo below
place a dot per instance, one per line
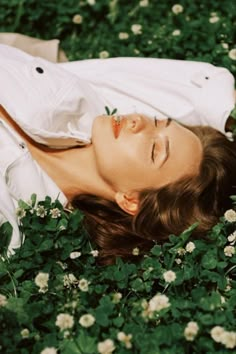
(116, 125)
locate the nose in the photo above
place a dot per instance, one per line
(135, 123)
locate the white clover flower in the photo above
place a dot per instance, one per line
(37, 337)
(177, 9)
(70, 280)
(158, 302)
(125, 338)
(230, 215)
(225, 45)
(66, 334)
(25, 333)
(181, 251)
(106, 347)
(216, 333)
(136, 51)
(214, 19)
(123, 35)
(91, 2)
(94, 253)
(144, 304)
(41, 280)
(116, 297)
(62, 265)
(232, 55)
(83, 285)
(136, 29)
(55, 213)
(74, 304)
(64, 321)
(74, 255)
(3, 300)
(229, 251)
(87, 320)
(232, 237)
(62, 227)
(176, 32)
(222, 298)
(135, 251)
(104, 54)
(190, 247)
(143, 3)
(191, 330)
(169, 276)
(77, 19)
(228, 339)
(178, 260)
(49, 350)
(41, 211)
(20, 213)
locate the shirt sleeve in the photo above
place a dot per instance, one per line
(191, 92)
(8, 213)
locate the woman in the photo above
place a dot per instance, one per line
(134, 176)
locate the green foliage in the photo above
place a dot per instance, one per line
(147, 307)
(54, 272)
(203, 31)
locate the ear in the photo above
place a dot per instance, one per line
(128, 202)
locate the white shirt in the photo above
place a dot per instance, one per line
(55, 104)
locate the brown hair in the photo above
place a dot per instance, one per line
(169, 209)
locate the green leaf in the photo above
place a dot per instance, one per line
(86, 343)
(107, 110)
(207, 319)
(156, 250)
(118, 321)
(70, 347)
(33, 199)
(23, 205)
(114, 111)
(5, 236)
(137, 285)
(101, 317)
(17, 305)
(209, 260)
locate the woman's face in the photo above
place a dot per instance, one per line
(142, 152)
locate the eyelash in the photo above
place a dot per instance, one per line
(154, 145)
(153, 149)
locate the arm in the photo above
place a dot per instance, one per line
(192, 92)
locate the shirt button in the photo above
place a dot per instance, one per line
(39, 70)
(22, 145)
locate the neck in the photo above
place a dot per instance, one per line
(73, 170)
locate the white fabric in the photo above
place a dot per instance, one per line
(191, 92)
(55, 104)
(20, 177)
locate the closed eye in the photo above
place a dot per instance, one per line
(153, 152)
(154, 145)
